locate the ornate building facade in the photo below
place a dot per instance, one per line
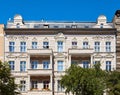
(39, 52)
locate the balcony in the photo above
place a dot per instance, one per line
(38, 92)
(43, 51)
(39, 71)
(81, 51)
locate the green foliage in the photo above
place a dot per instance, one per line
(113, 83)
(7, 85)
(82, 81)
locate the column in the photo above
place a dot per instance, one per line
(51, 82)
(69, 60)
(91, 61)
(51, 62)
(29, 84)
(28, 66)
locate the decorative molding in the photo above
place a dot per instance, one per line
(98, 38)
(45, 39)
(74, 39)
(85, 39)
(23, 38)
(60, 36)
(11, 38)
(108, 37)
(34, 39)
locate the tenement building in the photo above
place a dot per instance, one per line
(39, 52)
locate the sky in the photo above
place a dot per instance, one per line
(58, 10)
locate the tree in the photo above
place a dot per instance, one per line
(7, 85)
(80, 81)
(113, 83)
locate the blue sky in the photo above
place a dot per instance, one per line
(58, 10)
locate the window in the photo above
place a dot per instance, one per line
(108, 65)
(60, 46)
(23, 86)
(46, 85)
(56, 26)
(11, 46)
(34, 64)
(45, 64)
(108, 46)
(60, 88)
(85, 64)
(97, 46)
(34, 85)
(12, 63)
(96, 62)
(45, 44)
(85, 45)
(74, 26)
(22, 65)
(23, 46)
(60, 65)
(46, 26)
(74, 44)
(74, 62)
(101, 25)
(34, 45)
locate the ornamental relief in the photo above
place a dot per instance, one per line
(11, 38)
(23, 38)
(34, 39)
(97, 38)
(60, 36)
(108, 37)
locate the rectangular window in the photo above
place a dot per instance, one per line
(11, 46)
(96, 62)
(22, 65)
(23, 86)
(46, 45)
(85, 64)
(34, 64)
(108, 65)
(60, 46)
(60, 65)
(85, 45)
(34, 45)
(74, 62)
(34, 84)
(45, 64)
(46, 85)
(97, 46)
(60, 88)
(12, 65)
(22, 46)
(108, 46)
(74, 44)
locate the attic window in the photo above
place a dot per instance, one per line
(74, 26)
(46, 26)
(101, 25)
(18, 25)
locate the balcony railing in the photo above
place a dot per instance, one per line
(39, 71)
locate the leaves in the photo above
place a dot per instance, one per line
(7, 85)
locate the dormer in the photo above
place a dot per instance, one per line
(18, 20)
(102, 20)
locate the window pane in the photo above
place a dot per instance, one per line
(60, 65)
(22, 66)
(45, 64)
(97, 46)
(23, 86)
(11, 46)
(85, 45)
(108, 65)
(108, 46)
(85, 64)
(34, 64)
(23, 46)
(60, 46)
(12, 63)
(34, 45)
(45, 44)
